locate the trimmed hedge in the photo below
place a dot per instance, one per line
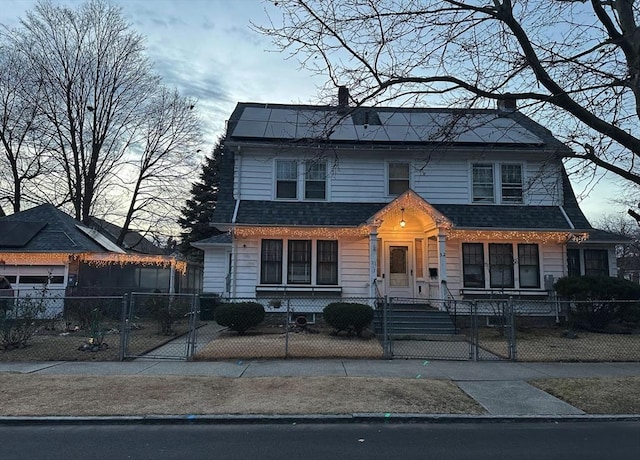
(349, 317)
(595, 298)
(239, 316)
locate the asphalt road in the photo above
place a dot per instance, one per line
(520, 440)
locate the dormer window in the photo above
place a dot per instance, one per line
(287, 179)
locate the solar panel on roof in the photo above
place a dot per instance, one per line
(100, 239)
(396, 126)
(16, 234)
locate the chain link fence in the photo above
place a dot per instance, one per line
(291, 328)
(153, 325)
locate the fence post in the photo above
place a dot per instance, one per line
(123, 328)
(473, 345)
(193, 321)
(386, 342)
(286, 329)
(512, 330)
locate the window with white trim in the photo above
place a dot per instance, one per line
(511, 183)
(529, 265)
(596, 262)
(315, 180)
(327, 262)
(398, 177)
(505, 178)
(271, 262)
(501, 265)
(299, 262)
(473, 265)
(287, 179)
(307, 262)
(501, 270)
(482, 183)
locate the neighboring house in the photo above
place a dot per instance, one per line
(401, 202)
(44, 245)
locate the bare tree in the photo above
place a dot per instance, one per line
(95, 79)
(120, 143)
(21, 146)
(574, 62)
(170, 139)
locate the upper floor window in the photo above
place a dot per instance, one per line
(315, 180)
(482, 183)
(485, 181)
(511, 176)
(287, 179)
(398, 178)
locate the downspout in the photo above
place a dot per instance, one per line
(234, 269)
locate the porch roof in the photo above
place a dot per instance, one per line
(349, 214)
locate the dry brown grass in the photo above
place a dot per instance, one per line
(549, 345)
(40, 395)
(596, 395)
(257, 345)
(62, 346)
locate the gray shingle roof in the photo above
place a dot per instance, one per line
(222, 238)
(305, 213)
(60, 233)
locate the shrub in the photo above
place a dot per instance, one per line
(595, 298)
(86, 310)
(19, 321)
(239, 316)
(349, 317)
(166, 310)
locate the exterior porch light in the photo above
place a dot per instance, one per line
(403, 223)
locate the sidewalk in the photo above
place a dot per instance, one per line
(500, 387)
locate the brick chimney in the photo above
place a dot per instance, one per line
(507, 105)
(343, 96)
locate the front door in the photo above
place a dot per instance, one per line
(399, 269)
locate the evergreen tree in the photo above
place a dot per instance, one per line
(197, 213)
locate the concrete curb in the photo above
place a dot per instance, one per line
(232, 419)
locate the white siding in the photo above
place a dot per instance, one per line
(437, 177)
(246, 272)
(354, 267)
(215, 270)
(553, 261)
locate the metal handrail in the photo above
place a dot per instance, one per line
(447, 305)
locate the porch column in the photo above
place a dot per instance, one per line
(373, 261)
(442, 264)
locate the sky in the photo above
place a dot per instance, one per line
(208, 51)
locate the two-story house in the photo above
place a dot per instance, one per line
(401, 202)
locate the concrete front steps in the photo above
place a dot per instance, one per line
(415, 320)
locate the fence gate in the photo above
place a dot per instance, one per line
(159, 326)
(493, 330)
